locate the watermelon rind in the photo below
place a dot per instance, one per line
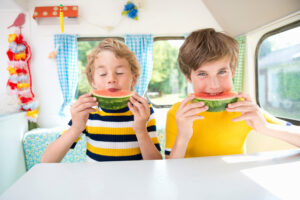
(112, 103)
(216, 105)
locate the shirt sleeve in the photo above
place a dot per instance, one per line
(151, 128)
(171, 129)
(74, 144)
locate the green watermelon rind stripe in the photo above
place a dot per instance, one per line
(112, 103)
(216, 105)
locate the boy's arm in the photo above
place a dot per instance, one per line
(253, 116)
(80, 113)
(289, 134)
(148, 149)
(56, 151)
(140, 109)
(179, 149)
(186, 114)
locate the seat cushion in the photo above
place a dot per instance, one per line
(36, 141)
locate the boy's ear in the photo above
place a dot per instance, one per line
(93, 85)
(188, 79)
(134, 81)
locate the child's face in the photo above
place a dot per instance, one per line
(213, 77)
(112, 73)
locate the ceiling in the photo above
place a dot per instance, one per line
(238, 17)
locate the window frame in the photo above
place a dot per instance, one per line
(160, 38)
(98, 38)
(264, 37)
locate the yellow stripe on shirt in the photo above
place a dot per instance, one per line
(151, 122)
(113, 152)
(155, 140)
(102, 113)
(110, 131)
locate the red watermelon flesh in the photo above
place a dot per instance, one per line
(216, 103)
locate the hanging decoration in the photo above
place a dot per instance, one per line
(44, 12)
(19, 21)
(19, 82)
(61, 17)
(131, 10)
(53, 53)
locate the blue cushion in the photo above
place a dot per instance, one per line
(36, 141)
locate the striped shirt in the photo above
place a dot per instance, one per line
(110, 136)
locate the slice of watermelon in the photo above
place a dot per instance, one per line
(112, 100)
(216, 103)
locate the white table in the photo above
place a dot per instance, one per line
(273, 175)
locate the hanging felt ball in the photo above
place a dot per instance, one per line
(10, 55)
(12, 37)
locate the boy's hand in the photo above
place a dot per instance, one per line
(251, 112)
(81, 109)
(141, 111)
(187, 113)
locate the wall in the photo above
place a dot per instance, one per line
(257, 142)
(13, 126)
(161, 18)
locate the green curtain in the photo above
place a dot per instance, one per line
(238, 77)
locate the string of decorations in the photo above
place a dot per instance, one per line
(20, 82)
(131, 10)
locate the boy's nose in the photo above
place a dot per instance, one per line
(214, 83)
(111, 78)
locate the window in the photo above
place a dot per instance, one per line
(85, 46)
(278, 72)
(167, 85)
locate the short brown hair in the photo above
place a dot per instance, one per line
(206, 45)
(119, 49)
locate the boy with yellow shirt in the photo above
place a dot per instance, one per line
(208, 60)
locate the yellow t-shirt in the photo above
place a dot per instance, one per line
(216, 134)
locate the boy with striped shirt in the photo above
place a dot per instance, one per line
(112, 135)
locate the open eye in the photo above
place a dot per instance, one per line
(201, 74)
(223, 71)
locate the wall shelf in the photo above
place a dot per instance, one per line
(50, 14)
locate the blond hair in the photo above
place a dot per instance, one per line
(206, 45)
(119, 49)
